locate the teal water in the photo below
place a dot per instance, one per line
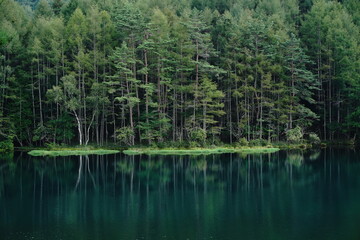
(285, 195)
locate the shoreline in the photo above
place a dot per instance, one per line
(138, 150)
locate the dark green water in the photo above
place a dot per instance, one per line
(286, 195)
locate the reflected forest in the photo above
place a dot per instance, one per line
(189, 191)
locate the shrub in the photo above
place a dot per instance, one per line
(193, 144)
(197, 135)
(314, 139)
(6, 146)
(42, 133)
(174, 144)
(214, 141)
(125, 135)
(163, 144)
(52, 145)
(294, 135)
(258, 143)
(155, 145)
(243, 142)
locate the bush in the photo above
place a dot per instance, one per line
(214, 141)
(197, 135)
(52, 145)
(193, 144)
(42, 133)
(243, 142)
(314, 139)
(162, 144)
(294, 135)
(6, 146)
(172, 144)
(125, 135)
(155, 145)
(258, 143)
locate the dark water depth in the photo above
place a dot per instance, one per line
(286, 195)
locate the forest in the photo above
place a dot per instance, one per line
(178, 72)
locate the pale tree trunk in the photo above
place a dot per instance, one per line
(79, 127)
(88, 129)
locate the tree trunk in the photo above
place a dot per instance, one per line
(79, 128)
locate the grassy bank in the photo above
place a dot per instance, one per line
(198, 151)
(55, 153)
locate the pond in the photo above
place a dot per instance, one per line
(284, 195)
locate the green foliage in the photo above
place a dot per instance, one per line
(194, 73)
(56, 6)
(197, 136)
(43, 9)
(332, 41)
(62, 128)
(51, 145)
(258, 142)
(314, 138)
(243, 142)
(125, 135)
(6, 145)
(294, 135)
(210, 100)
(41, 133)
(154, 128)
(6, 135)
(302, 81)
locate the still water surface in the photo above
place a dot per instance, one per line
(285, 195)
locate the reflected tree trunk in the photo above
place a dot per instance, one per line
(79, 173)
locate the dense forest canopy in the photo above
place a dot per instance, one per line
(194, 71)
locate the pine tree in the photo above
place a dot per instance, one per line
(66, 95)
(331, 39)
(124, 85)
(210, 100)
(302, 84)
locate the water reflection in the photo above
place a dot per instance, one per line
(187, 196)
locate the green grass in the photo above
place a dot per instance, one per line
(54, 153)
(199, 151)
